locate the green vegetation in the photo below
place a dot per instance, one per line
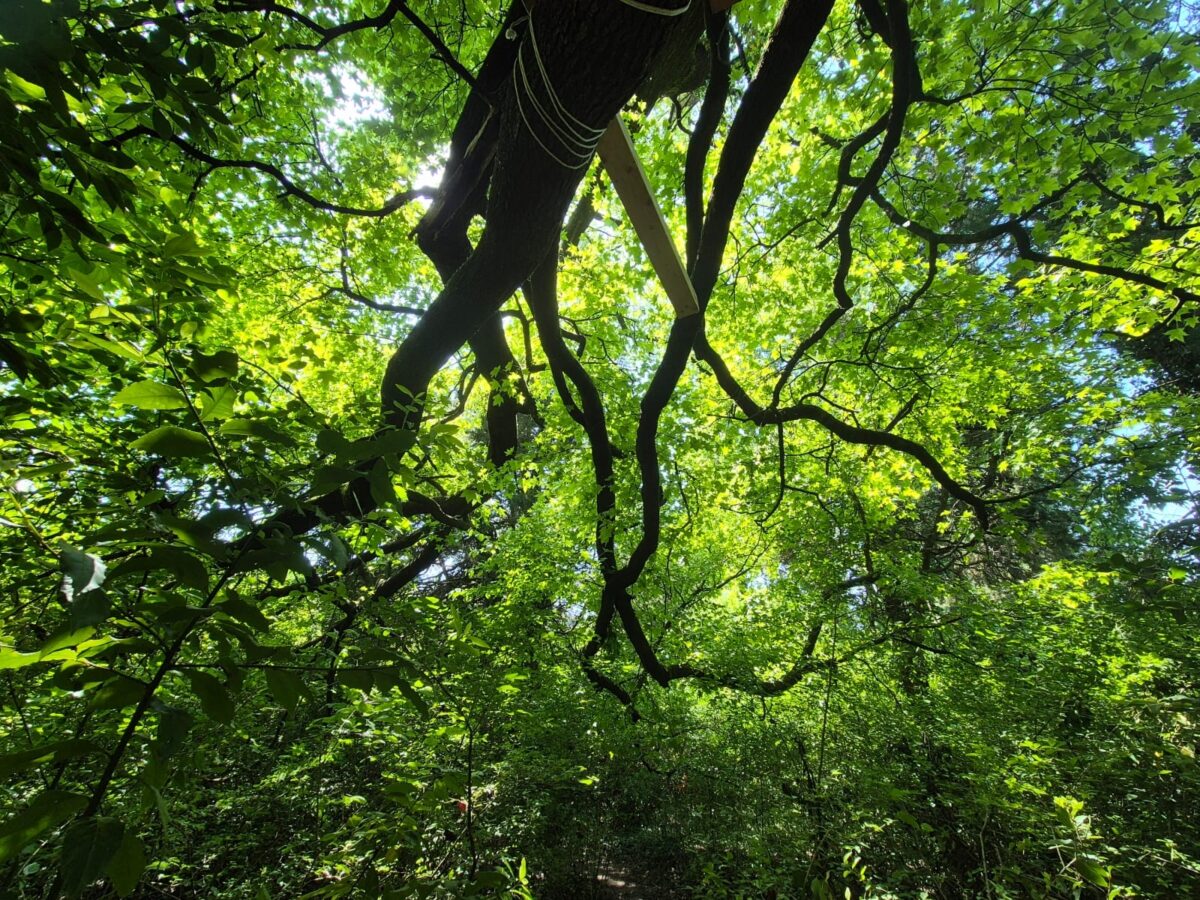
(878, 578)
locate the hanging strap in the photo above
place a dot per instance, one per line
(657, 10)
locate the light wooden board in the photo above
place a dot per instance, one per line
(629, 178)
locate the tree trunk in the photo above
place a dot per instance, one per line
(595, 55)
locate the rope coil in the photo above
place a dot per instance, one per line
(576, 139)
(657, 10)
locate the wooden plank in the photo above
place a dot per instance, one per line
(629, 178)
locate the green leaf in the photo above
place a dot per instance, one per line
(359, 679)
(90, 609)
(67, 637)
(187, 569)
(332, 442)
(87, 848)
(214, 699)
(217, 403)
(490, 879)
(22, 322)
(151, 395)
(395, 441)
(197, 535)
(57, 752)
(173, 442)
(1065, 816)
(410, 694)
(285, 686)
(173, 727)
(380, 480)
(222, 364)
(87, 283)
(1096, 874)
(329, 478)
(182, 244)
(257, 429)
(239, 609)
(26, 89)
(17, 361)
(82, 572)
(127, 864)
(117, 348)
(50, 808)
(118, 692)
(11, 658)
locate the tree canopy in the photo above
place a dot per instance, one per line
(372, 526)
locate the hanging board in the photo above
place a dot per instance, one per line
(629, 178)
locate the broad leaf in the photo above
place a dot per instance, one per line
(151, 395)
(126, 866)
(173, 442)
(48, 809)
(88, 847)
(214, 698)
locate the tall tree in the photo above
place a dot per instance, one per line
(339, 398)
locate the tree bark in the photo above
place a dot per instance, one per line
(595, 55)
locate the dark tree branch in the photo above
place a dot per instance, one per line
(331, 33)
(874, 438)
(795, 32)
(290, 188)
(763, 416)
(807, 664)
(1016, 229)
(541, 292)
(346, 289)
(904, 77)
(848, 151)
(402, 577)
(707, 122)
(1160, 215)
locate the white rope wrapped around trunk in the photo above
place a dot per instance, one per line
(575, 138)
(657, 10)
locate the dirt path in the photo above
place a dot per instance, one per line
(616, 882)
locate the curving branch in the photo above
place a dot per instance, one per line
(707, 122)
(290, 188)
(791, 41)
(772, 415)
(849, 150)
(795, 32)
(328, 34)
(904, 80)
(395, 582)
(348, 290)
(1160, 214)
(1017, 230)
(873, 438)
(806, 664)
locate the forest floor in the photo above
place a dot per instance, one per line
(620, 882)
(616, 882)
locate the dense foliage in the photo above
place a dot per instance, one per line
(904, 566)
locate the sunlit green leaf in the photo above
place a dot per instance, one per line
(151, 395)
